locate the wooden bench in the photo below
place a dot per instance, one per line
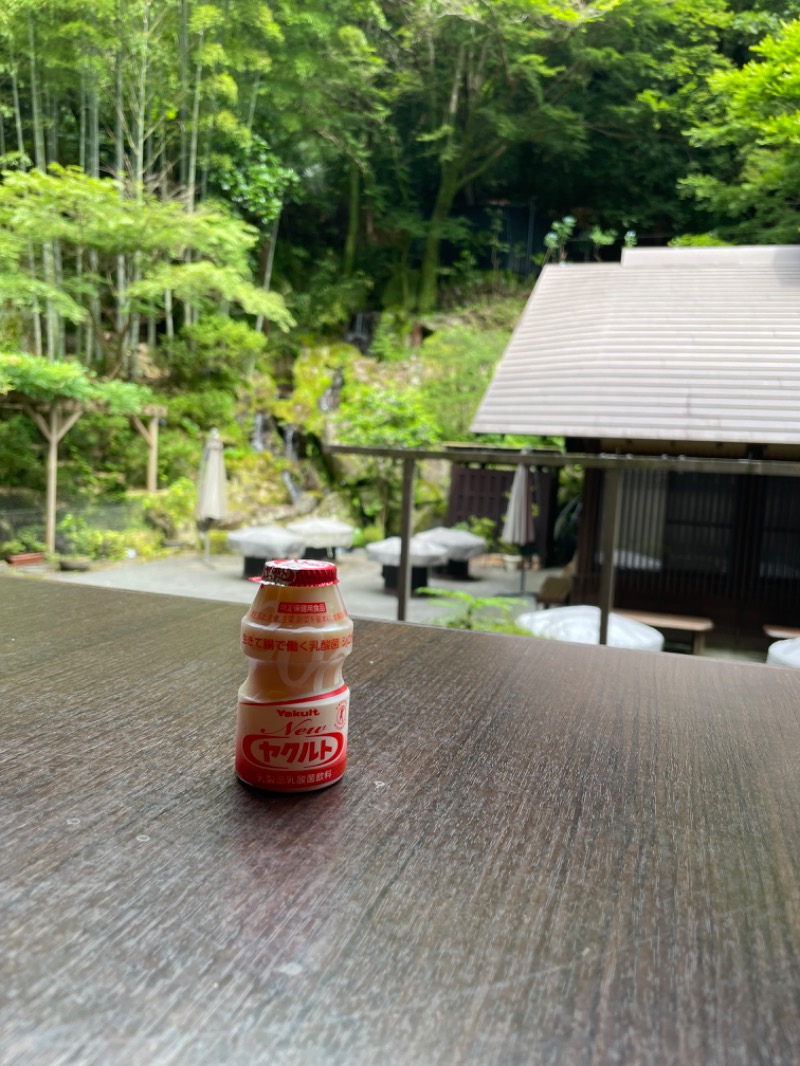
(781, 632)
(697, 627)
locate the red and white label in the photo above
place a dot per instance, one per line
(293, 745)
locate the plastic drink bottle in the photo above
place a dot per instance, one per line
(292, 718)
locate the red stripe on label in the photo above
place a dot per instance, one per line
(303, 699)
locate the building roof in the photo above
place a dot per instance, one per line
(684, 344)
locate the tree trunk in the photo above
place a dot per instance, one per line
(59, 324)
(191, 183)
(140, 124)
(82, 137)
(52, 131)
(37, 318)
(353, 213)
(38, 131)
(120, 168)
(429, 275)
(93, 350)
(41, 164)
(58, 319)
(140, 118)
(183, 49)
(251, 112)
(164, 174)
(23, 165)
(94, 135)
(267, 261)
(168, 315)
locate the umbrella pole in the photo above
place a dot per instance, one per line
(207, 549)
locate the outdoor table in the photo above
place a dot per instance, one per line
(322, 536)
(784, 653)
(259, 543)
(541, 852)
(422, 555)
(461, 546)
(581, 625)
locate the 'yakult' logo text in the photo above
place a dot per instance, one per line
(278, 753)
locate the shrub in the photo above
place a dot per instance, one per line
(74, 536)
(22, 450)
(489, 614)
(199, 412)
(171, 511)
(217, 351)
(26, 539)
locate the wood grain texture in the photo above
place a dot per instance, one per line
(541, 853)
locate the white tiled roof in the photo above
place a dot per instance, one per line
(671, 344)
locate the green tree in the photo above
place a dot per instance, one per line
(639, 76)
(321, 110)
(471, 80)
(87, 217)
(753, 124)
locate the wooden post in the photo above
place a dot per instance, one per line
(152, 457)
(406, 532)
(608, 540)
(150, 434)
(53, 433)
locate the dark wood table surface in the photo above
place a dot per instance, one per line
(541, 852)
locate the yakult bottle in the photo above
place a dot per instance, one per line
(292, 720)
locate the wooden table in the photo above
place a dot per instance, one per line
(541, 853)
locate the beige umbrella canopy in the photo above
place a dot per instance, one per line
(518, 526)
(212, 487)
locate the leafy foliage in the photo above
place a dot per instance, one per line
(752, 119)
(218, 351)
(377, 410)
(456, 367)
(40, 380)
(103, 237)
(171, 511)
(21, 452)
(489, 614)
(75, 536)
(36, 379)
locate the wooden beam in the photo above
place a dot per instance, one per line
(603, 461)
(406, 532)
(150, 434)
(610, 531)
(62, 420)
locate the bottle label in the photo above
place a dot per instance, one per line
(293, 745)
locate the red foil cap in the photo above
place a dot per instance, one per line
(299, 573)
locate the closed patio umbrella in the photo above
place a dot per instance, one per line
(212, 487)
(518, 526)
